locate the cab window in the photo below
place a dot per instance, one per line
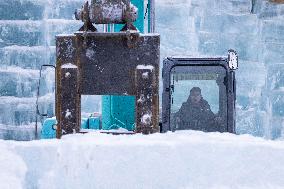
(198, 98)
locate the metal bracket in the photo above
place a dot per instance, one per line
(88, 26)
(132, 39)
(128, 26)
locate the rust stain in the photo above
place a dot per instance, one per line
(277, 1)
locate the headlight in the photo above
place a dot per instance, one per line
(233, 59)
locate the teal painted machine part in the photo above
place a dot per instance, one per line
(84, 123)
(90, 123)
(94, 123)
(47, 131)
(149, 15)
(119, 111)
(139, 23)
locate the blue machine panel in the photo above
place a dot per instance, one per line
(47, 130)
(118, 111)
(94, 123)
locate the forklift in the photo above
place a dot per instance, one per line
(137, 80)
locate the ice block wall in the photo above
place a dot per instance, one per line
(27, 41)
(255, 28)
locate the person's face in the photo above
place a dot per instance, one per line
(195, 97)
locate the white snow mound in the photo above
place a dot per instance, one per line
(180, 160)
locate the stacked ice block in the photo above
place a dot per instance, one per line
(27, 41)
(255, 29)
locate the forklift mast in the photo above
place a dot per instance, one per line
(85, 65)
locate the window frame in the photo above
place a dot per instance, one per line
(170, 63)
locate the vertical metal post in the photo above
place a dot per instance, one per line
(151, 16)
(147, 101)
(69, 119)
(111, 115)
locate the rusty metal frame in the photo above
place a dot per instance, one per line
(87, 63)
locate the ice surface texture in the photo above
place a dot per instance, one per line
(27, 41)
(255, 29)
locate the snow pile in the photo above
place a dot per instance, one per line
(186, 159)
(13, 169)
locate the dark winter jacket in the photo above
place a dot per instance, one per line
(195, 116)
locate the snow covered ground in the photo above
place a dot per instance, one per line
(180, 160)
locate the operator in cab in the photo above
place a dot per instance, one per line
(195, 114)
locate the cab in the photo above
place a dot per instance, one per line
(199, 93)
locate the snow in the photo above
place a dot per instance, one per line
(65, 35)
(90, 53)
(146, 118)
(184, 159)
(68, 113)
(13, 169)
(141, 99)
(120, 130)
(113, 12)
(145, 75)
(69, 65)
(145, 67)
(67, 75)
